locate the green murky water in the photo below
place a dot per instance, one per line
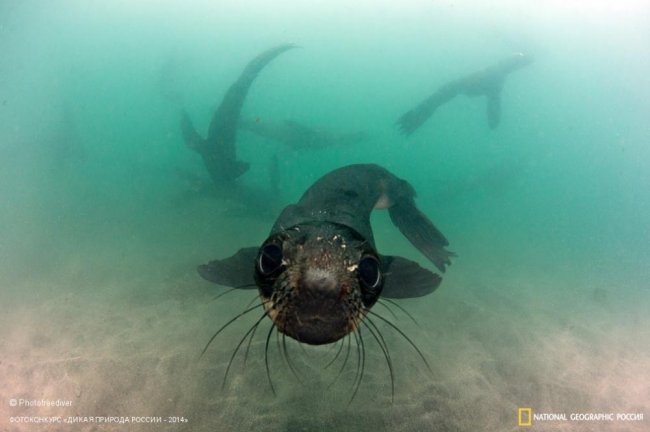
(103, 218)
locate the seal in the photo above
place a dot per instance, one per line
(487, 82)
(296, 135)
(319, 273)
(218, 150)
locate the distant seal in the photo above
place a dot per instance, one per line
(487, 82)
(218, 149)
(296, 135)
(319, 273)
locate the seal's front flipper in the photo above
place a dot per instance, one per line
(236, 271)
(192, 138)
(421, 232)
(494, 109)
(405, 278)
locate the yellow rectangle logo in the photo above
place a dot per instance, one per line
(525, 417)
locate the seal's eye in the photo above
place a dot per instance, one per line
(368, 272)
(269, 259)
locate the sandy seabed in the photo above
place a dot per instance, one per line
(127, 343)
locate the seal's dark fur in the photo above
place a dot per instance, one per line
(319, 272)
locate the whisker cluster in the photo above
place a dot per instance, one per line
(361, 363)
(398, 306)
(360, 318)
(241, 314)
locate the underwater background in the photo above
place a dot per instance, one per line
(102, 224)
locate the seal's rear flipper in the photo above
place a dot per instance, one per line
(236, 271)
(421, 232)
(192, 138)
(405, 278)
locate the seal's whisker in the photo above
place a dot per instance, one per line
(379, 302)
(250, 340)
(397, 329)
(338, 353)
(369, 321)
(347, 354)
(363, 243)
(384, 348)
(282, 346)
(345, 362)
(266, 359)
(281, 351)
(256, 297)
(363, 364)
(277, 343)
(398, 306)
(215, 298)
(232, 357)
(302, 347)
(292, 367)
(331, 346)
(356, 373)
(227, 324)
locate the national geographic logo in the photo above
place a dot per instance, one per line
(526, 416)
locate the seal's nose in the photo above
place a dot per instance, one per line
(320, 280)
(318, 313)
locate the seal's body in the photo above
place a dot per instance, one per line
(318, 272)
(296, 135)
(218, 149)
(487, 82)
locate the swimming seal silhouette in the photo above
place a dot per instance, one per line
(218, 149)
(487, 82)
(319, 272)
(296, 135)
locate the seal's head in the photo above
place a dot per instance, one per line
(317, 281)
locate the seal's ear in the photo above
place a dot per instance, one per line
(236, 271)
(405, 278)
